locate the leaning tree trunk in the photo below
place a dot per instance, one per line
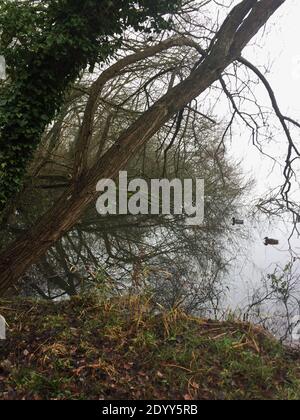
(241, 25)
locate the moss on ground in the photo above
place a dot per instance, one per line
(90, 348)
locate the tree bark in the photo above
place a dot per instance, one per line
(243, 22)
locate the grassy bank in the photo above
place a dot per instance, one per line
(122, 348)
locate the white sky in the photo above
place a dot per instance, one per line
(281, 47)
(282, 50)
